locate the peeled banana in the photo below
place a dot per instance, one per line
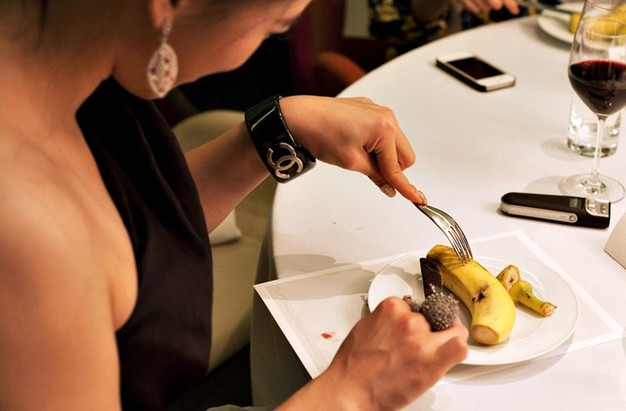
(491, 306)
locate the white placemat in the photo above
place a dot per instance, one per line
(316, 311)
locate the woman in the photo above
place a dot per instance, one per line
(105, 285)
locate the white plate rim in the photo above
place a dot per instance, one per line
(521, 346)
(557, 24)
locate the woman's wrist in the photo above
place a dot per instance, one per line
(283, 157)
(331, 392)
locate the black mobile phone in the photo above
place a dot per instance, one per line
(578, 211)
(474, 71)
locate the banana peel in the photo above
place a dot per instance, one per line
(509, 276)
(491, 306)
(522, 292)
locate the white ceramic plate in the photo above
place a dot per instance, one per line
(557, 24)
(532, 334)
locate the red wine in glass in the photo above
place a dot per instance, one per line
(600, 84)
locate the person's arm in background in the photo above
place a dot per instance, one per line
(425, 11)
(477, 6)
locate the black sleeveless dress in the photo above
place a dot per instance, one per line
(164, 347)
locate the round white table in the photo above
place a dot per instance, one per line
(471, 149)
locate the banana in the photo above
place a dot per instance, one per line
(608, 25)
(618, 13)
(620, 8)
(491, 306)
(573, 22)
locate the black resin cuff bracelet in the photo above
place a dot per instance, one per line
(284, 158)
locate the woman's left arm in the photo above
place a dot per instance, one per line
(353, 133)
(225, 170)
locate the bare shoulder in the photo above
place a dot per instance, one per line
(46, 228)
(57, 311)
(37, 226)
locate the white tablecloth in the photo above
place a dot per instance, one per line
(471, 149)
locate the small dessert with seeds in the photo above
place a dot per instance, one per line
(439, 309)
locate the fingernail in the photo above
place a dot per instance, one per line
(423, 197)
(388, 190)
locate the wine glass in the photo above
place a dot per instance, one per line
(597, 73)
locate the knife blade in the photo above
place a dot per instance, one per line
(432, 280)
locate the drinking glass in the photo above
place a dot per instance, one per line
(597, 73)
(581, 133)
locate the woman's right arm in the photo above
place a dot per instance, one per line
(388, 360)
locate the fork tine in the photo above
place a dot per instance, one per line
(458, 249)
(462, 240)
(450, 229)
(457, 245)
(459, 241)
(460, 236)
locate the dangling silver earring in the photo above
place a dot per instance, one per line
(162, 68)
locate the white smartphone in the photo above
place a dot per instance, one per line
(474, 71)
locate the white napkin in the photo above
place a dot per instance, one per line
(616, 244)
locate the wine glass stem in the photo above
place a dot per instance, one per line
(596, 154)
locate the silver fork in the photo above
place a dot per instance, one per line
(451, 230)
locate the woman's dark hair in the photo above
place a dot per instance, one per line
(43, 14)
(29, 17)
(39, 6)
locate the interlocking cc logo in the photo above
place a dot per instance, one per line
(285, 162)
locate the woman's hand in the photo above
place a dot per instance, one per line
(389, 359)
(355, 134)
(394, 356)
